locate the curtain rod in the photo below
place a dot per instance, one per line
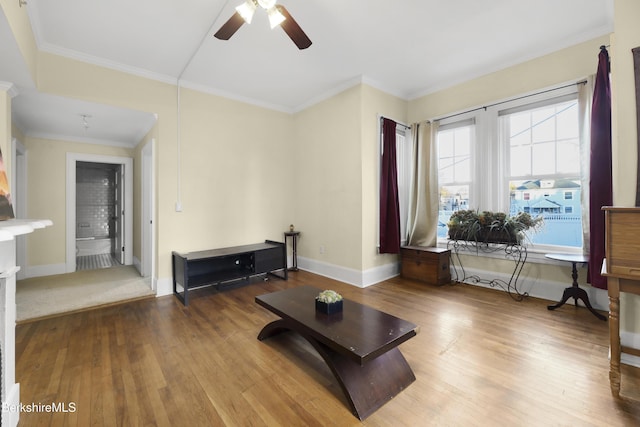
(397, 122)
(581, 82)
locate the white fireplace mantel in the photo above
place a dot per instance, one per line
(10, 391)
(15, 227)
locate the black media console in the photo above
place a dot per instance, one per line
(213, 267)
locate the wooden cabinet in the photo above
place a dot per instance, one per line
(426, 264)
(213, 267)
(622, 269)
(622, 241)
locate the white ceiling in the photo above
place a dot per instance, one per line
(405, 47)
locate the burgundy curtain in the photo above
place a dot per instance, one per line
(600, 181)
(389, 208)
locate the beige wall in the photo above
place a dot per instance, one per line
(46, 194)
(236, 174)
(627, 36)
(328, 189)
(336, 147)
(563, 66)
(374, 103)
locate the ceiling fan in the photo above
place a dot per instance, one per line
(278, 15)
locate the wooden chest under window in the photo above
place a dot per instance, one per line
(430, 265)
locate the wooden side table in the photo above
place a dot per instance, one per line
(621, 267)
(575, 291)
(294, 248)
(615, 285)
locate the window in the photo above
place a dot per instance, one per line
(404, 161)
(521, 155)
(455, 143)
(544, 161)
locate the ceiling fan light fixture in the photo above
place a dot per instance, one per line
(247, 10)
(275, 17)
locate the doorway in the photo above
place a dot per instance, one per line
(99, 217)
(147, 192)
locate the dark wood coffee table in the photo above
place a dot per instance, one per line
(359, 344)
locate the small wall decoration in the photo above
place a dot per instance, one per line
(6, 209)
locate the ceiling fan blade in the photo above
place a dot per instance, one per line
(293, 30)
(230, 27)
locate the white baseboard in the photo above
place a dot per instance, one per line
(44, 270)
(164, 286)
(358, 278)
(137, 264)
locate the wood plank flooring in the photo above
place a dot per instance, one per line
(480, 358)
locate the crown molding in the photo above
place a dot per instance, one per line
(102, 62)
(10, 88)
(72, 138)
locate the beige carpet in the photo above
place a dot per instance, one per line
(45, 296)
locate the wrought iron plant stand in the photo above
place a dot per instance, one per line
(513, 251)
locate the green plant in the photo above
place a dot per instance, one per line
(491, 227)
(329, 296)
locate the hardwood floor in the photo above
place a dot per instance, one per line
(480, 358)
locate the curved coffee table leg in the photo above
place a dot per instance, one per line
(368, 386)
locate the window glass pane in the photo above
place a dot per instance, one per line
(520, 129)
(544, 126)
(562, 215)
(545, 171)
(543, 157)
(567, 121)
(445, 144)
(462, 140)
(454, 172)
(520, 161)
(569, 157)
(445, 170)
(452, 198)
(463, 169)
